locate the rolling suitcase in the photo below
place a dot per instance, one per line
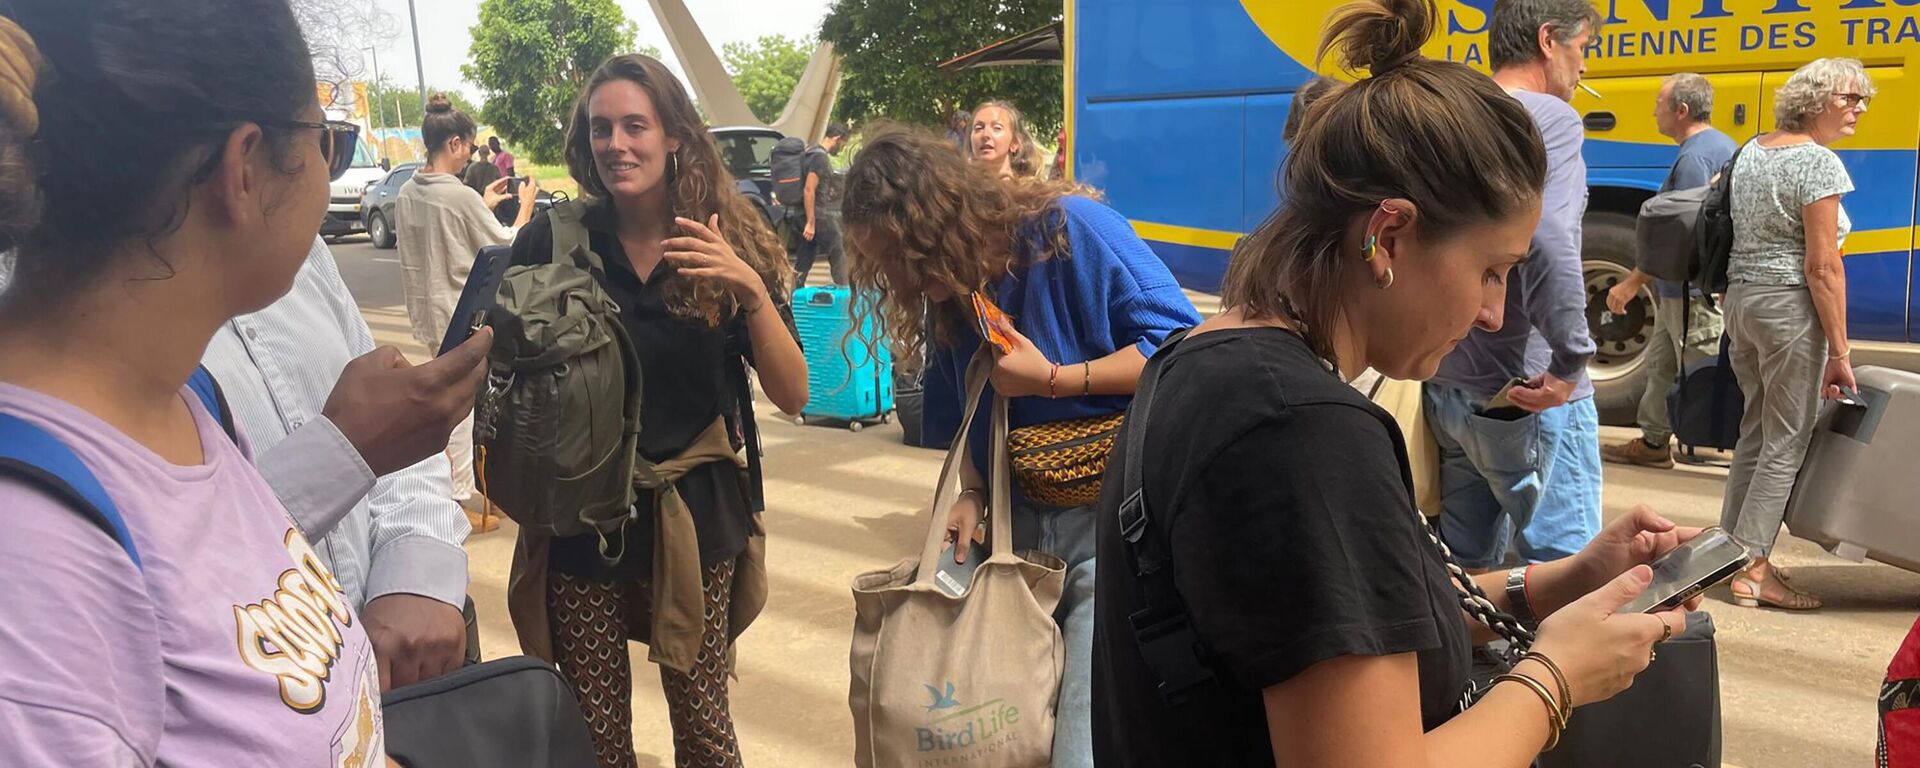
(1855, 491)
(849, 375)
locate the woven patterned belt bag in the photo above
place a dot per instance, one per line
(1060, 463)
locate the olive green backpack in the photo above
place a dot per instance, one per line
(557, 425)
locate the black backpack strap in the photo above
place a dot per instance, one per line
(1162, 628)
(750, 432)
(31, 454)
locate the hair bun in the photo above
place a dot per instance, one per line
(1378, 35)
(19, 72)
(439, 104)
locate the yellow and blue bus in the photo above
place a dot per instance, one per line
(1175, 109)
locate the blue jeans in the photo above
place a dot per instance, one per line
(1069, 535)
(1539, 475)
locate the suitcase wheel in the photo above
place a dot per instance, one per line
(855, 426)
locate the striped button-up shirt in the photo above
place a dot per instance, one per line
(401, 533)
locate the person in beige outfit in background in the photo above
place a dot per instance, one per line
(442, 224)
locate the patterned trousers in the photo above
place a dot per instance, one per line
(592, 623)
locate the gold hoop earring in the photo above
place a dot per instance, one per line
(1367, 248)
(1387, 282)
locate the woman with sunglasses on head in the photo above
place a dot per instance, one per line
(202, 629)
(1281, 553)
(440, 225)
(700, 283)
(1088, 303)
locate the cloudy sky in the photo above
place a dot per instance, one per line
(444, 26)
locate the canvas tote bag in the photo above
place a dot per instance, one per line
(959, 681)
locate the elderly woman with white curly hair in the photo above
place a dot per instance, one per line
(1786, 305)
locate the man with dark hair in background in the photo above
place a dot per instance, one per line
(1534, 468)
(820, 232)
(1684, 112)
(481, 173)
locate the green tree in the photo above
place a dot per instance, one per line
(395, 105)
(765, 71)
(530, 59)
(891, 52)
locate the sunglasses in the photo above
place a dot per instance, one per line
(1851, 100)
(338, 140)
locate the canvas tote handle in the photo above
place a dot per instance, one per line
(1000, 503)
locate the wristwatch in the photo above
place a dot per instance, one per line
(1517, 601)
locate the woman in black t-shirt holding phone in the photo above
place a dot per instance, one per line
(1331, 623)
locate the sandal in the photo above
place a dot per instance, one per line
(1754, 596)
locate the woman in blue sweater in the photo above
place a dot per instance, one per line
(1089, 304)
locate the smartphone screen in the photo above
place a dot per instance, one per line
(1692, 568)
(513, 185)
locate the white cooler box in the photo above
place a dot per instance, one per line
(1858, 493)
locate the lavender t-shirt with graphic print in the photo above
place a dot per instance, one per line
(232, 645)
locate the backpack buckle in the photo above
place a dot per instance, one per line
(1133, 517)
(498, 384)
(1172, 652)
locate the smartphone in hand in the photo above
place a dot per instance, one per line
(1501, 406)
(1690, 569)
(513, 185)
(989, 319)
(954, 578)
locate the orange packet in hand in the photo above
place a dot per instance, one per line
(991, 321)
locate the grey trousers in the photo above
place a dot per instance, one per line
(1668, 355)
(1779, 352)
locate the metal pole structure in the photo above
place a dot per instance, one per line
(419, 69)
(379, 111)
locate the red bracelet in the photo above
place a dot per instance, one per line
(1526, 586)
(1052, 378)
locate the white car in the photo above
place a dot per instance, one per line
(343, 200)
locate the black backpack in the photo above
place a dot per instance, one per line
(790, 171)
(1713, 234)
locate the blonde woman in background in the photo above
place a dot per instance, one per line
(999, 141)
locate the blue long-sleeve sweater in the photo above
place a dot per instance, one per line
(1110, 292)
(1546, 315)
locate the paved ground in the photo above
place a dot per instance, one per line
(1797, 690)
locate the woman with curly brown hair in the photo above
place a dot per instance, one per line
(1088, 301)
(700, 282)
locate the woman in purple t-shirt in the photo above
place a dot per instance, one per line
(216, 636)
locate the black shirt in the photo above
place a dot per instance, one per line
(688, 371)
(826, 196)
(1287, 502)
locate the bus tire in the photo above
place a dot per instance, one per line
(1620, 342)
